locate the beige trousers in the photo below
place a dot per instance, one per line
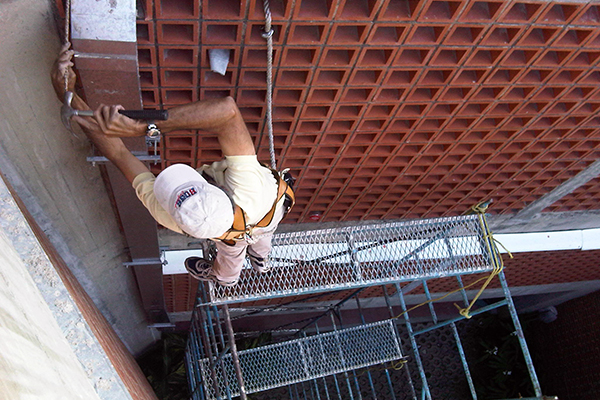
(230, 259)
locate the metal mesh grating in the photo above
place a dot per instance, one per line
(356, 256)
(304, 359)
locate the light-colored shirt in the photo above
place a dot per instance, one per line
(252, 186)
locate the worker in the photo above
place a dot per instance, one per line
(237, 203)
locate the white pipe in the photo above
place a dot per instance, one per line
(587, 239)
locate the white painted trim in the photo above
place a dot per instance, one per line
(109, 20)
(586, 239)
(590, 239)
(175, 260)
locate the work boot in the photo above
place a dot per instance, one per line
(201, 269)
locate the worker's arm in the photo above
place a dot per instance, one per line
(112, 148)
(64, 65)
(219, 116)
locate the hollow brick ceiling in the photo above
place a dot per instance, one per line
(392, 109)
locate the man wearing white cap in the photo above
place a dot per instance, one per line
(236, 202)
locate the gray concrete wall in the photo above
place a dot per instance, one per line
(47, 348)
(47, 168)
(36, 361)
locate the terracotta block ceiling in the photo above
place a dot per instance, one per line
(392, 109)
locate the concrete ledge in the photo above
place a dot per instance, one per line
(75, 329)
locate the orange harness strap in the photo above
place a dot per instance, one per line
(240, 228)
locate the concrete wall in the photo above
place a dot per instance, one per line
(36, 362)
(47, 347)
(47, 168)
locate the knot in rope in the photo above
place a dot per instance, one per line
(481, 207)
(267, 34)
(463, 311)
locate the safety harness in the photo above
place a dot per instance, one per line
(240, 229)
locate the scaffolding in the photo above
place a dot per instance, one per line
(365, 255)
(327, 357)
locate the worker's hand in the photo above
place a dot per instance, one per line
(110, 146)
(112, 123)
(63, 65)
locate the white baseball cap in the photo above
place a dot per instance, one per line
(200, 209)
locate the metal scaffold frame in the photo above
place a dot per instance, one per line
(216, 370)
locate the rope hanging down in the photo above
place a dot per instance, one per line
(268, 35)
(67, 33)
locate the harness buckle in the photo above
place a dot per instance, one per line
(248, 235)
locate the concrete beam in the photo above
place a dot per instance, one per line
(52, 322)
(46, 166)
(103, 36)
(558, 193)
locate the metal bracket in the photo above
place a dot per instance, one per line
(140, 155)
(151, 142)
(144, 261)
(164, 325)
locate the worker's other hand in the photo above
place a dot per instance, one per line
(112, 123)
(63, 66)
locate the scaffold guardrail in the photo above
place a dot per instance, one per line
(364, 255)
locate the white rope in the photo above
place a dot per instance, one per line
(67, 28)
(268, 34)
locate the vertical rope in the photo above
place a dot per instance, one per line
(66, 38)
(268, 34)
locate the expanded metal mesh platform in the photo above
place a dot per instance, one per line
(304, 359)
(341, 258)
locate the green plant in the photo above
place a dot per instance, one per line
(499, 371)
(164, 367)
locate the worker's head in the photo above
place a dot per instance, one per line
(199, 208)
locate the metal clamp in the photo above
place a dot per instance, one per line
(267, 34)
(142, 156)
(144, 261)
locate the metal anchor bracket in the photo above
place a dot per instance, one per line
(140, 155)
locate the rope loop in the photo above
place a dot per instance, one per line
(480, 209)
(463, 311)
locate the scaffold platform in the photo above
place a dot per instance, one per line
(364, 255)
(304, 359)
